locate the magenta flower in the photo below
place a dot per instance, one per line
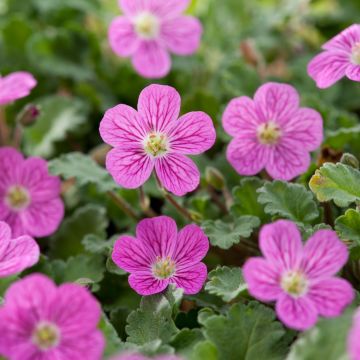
(150, 30)
(160, 256)
(271, 132)
(44, 322)
(29, 197)
(137, 356)
(299, 278)
(15, 86)
(154, 137)
(341, 57)
(18, 254)
(353, 339)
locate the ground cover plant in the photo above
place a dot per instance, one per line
(179, 179)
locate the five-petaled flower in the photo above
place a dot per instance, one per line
(15, 86)
(42, 321)
(341, 57)
(154, 137)
(17, 254)
(160, 256)
(271, 132)
(299, 278)
(29, 197)
(150, 30)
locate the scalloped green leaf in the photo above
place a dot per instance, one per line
(348, 226)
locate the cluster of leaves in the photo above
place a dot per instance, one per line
(64, 44)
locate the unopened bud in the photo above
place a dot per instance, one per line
(99, 153)
(214, 178)
(28, 115)
(350, 160)
(196, 216)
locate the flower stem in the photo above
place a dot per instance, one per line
(145, 204)
(4, 129)
(123, 205)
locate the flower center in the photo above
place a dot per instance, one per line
(156, 144)
(269, 133)
(355, 54)
(17, 198)
(294, 283)
(46, 335)
(163, 268)
(147, 25)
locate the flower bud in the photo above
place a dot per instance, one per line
(350, 160)
(214, 178)
(28, 115)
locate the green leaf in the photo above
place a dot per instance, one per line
(337, 182)
(226, 282)
(185, 340)
(225, 235)
(204, 350)
(90, 219)
(348, 226)
(247, 332)
(288, 200)
(328, 340)
(84, 169)
(59, 116)
(96, 245)
(113, 342)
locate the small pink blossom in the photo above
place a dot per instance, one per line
(160, 256)
(354, 336)
(299, 278)
(29, 197)
(15, 86)
(272, 132)
(44, 322)
(150, 30)
(17, 254)
(137, 356)
(341, 57)
(154, 138)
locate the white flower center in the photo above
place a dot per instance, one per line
(268, 133)
(294, 283)
(147, 25)
(156, 144)
(17, 198)
(355, 54)
(46, 335)
(163, 268)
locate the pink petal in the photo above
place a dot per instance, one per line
(280, 242)
(15, 86)
(331, 296)
(345, 40)
(191, 279)
(299, 314)
(241, 117)
(262, 279)
(130, 255)
(182, 35)
(122, 37)
(277, 102)
(353, 72)
(17, 255)
(43, 218)
(144, 283)
(5, 232)
(324, 254)
(151, 60)
(129, 166)
(328, 67)
(159, 106)
(177, 173)
(247, 156)
(158, 236)
(287, 161)
(122, 125)
(15, 222)
(192, 134)
(353, 339)
(191, 247)
(304, 129)
(9, 157)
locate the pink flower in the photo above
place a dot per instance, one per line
(29, 197)
(136, 356)
(40, 321)
(341, 57)
(353, 339)
(15, 86)
(18, 254)
(299, 278)
(160, 256)
(150, 30)
(154, 137)
(271, 132)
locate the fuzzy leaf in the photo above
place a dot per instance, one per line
(337, 182)
(348, 226)
(113, 341)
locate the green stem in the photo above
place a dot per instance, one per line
(123, 205)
